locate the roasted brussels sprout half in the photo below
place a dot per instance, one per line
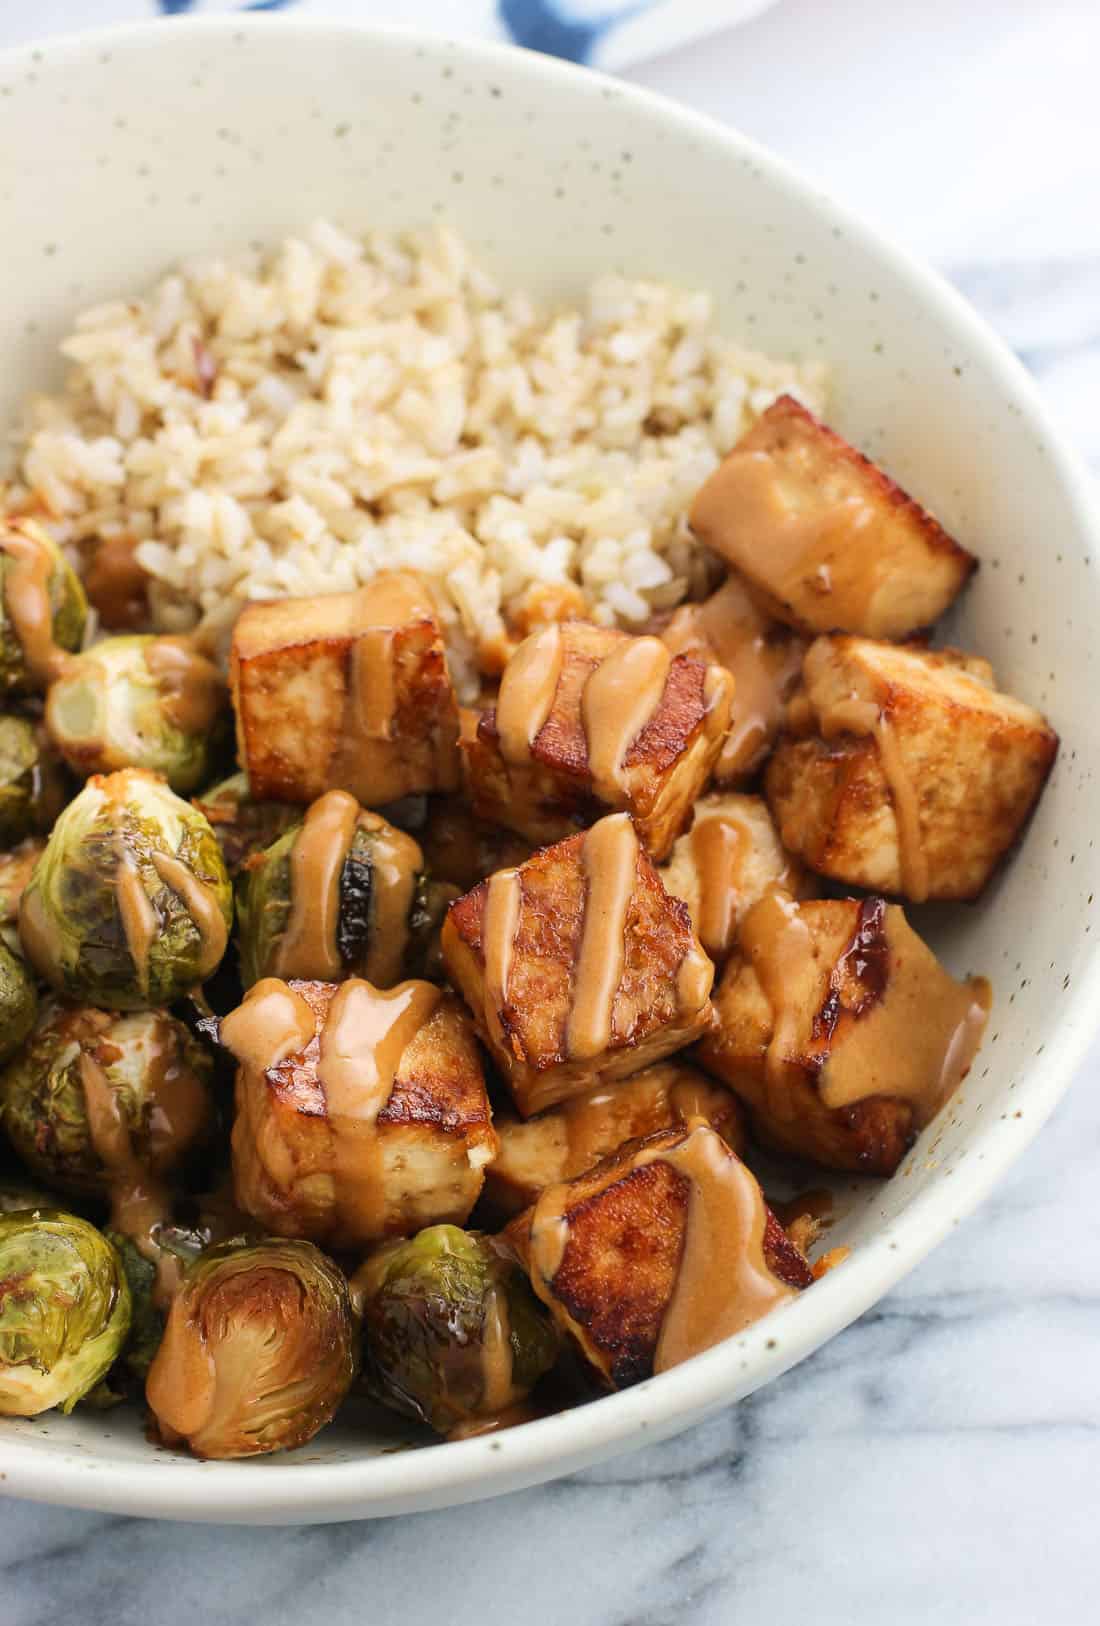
(139, 702)
(130, 904)
(18, 1002)
(64, 1310)
(146, 1320)
(42, 608)
(95, 1096)
(242, 826)
(451, 1329)
(258, 1351)
(33, 787)
(341, 894)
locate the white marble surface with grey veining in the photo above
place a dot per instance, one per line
(941, 1459)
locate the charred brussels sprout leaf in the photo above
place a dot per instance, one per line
(258, 1351)
(18, 1002)
(33, 787)
(451, 1328)
(149, 1077)
(139, 702)
(35, 577)
(380, 898)
(130, 904)
(242, 826)
(64, 1310)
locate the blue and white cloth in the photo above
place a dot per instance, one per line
(610, 34)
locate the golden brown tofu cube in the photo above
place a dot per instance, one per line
(763, 657)
(360, 1113)
(729, 858)
(588, 719)
(461, 849)
(567, 1140)
(841, 1031)
(661, 1251)
(825, 538)
(345, 692)
(578, 966)
(919, 775)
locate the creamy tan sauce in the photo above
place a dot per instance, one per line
(723, 1284)
(777, 942)
(503, 896)
(27, 602)
(619, 700)
(497, 1362)
(610, 856)
(527, 691)
(719, 847)
(138, 917)
(117, 585)
(191, 689)
(863, 717)
(309, 946)
(182, 1380)
(272, 1023)
(201, 904)
(396, 861)
(367, 1032)
(369, 761)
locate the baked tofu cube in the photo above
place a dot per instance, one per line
(588, 719)
(461, 849)
(729, 858)
(918, 775)
(823, 537)
(360, 1114)
(578, 966)
(567, 1140)
(345, 692)
(763, 657)
(661, 1251)
(840, 1030)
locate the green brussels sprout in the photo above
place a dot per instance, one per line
(258, 1351)
(451, 1329)
(341, 894)
(18, 1002)
(193, 1223)
(42, 608)
(95, 1095)
(139, 702)
(129, 905)
(242, 826)
(33, 787)
(64, 1310)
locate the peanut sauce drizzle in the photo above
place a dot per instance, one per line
(719, 847)
(309, 948)
(496, 1354)
(503, 897)
(201, 904)
(864, 717)
(723, 1283)
(27, 602)
(140, 1203)
(191, 686)
(136, 912)
(366, 761)
(396, 861)
(618, 701)
(610, 858)
(527, 691)
(362, 1042)
(778, 943)
(272, 1023)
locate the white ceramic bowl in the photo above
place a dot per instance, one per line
(136, 148)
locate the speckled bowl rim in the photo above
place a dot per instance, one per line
(293, 1489)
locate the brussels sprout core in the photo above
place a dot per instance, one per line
(258, 1351)
(451, 1328)
(64, 1310)
(140, 702)
(130, 904)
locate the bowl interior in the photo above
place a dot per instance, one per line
(143, 147)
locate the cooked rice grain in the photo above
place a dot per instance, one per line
(294, 426)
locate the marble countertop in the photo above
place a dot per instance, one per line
(941, 1459)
